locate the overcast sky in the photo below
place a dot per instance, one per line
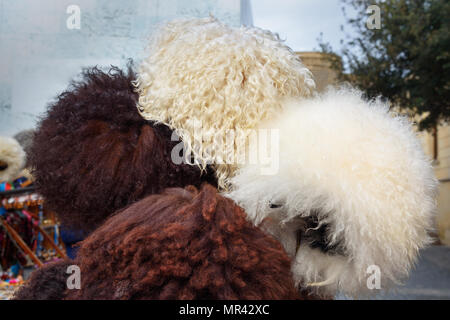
(300, 22)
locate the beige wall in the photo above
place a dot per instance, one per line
(324, 76)
(320, 66)
(442, 170)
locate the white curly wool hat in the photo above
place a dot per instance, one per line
(204, 77)
(12, 159)
(354, 193)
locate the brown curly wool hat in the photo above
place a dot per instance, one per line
(183, 244)
(93, 154)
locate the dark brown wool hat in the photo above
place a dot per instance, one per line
(93, 154)
(46, 283)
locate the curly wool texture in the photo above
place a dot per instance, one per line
(359, 170)
(93, 153)
(12, 159)
(183, 244)
(205, 77)
(46, 283)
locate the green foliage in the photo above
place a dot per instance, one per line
(407, 60)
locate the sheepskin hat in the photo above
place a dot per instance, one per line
(208, 81)
(46, 283)
(25, 139)
(12, 159)
(353, 196)
(93, 153)
(183, 244)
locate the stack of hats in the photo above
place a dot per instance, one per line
(167, 172)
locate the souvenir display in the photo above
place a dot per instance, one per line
(146, 182)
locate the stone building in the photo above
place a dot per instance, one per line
(439, 149)
(320, 66)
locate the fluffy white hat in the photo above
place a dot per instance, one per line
(354, 193)
(12, 159)
(202, 73)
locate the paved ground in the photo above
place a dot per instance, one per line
(429, 280)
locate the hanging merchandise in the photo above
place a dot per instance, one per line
(25, 227)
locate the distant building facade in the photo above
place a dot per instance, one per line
(439, 149)
(320, 66)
